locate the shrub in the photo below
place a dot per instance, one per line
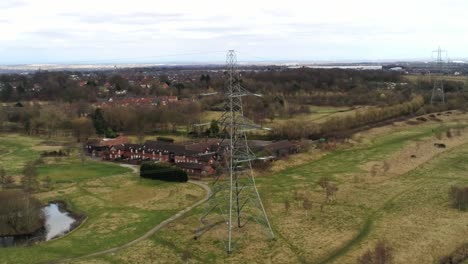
(287, 204)
(381, 254)
(162, 172)
(330, 188)
(261, 165)
(459, 197)
(165, 139)
(449, 133)
(459, 256)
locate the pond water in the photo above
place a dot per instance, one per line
(57, 223)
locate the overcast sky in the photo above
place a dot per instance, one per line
(120, 31)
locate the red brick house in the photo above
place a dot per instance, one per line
(196, 168)
(192, 161)
(98, 147)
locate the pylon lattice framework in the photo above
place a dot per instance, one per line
(234, 199)
(438, 92)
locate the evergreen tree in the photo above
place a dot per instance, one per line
(7, 92)
(99, 122)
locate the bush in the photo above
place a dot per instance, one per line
(457, 257)
(165, 139)
(382, 254)
(162, 172)
(459, 197)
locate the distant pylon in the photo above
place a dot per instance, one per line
(234, 199)
(438, 92)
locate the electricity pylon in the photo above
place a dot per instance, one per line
(438, 89)
(234, 200)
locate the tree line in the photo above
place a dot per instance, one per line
(335, 125)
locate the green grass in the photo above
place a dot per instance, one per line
(76, 171)
(347, 160)
(119, 206)
(84, 240)
(15, 151)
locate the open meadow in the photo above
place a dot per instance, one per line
(316, 115)
(393, 186)
(427, 78)
(118, 205)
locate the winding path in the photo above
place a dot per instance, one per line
(150, 232)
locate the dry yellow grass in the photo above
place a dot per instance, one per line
(149, 198)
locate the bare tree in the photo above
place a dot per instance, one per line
(374, 170)
(82, 154)
(186, 255)
(297, 195)
(287, 205)
(82, 128)
(330, 188)
(324, 181)
(381, 254)
(307, 205)
(449, 133)
(30, 184)
(366, 258)
(330, 192)
(459, 197)
(19, 214)
(29, 179)
(386, 166)
(47, 183)
(3, 177)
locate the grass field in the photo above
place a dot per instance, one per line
(414, 78)
(406, 206)
(318, 114)
(119, 206)
(15, 151)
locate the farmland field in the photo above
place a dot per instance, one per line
(404, 202)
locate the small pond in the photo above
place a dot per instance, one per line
(57, 223)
